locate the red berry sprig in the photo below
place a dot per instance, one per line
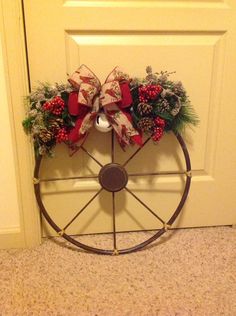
(157, 134)
(55, 106)
(47, 106)
(149, 92)
(58, 105)
(158, 129)
(62, 135)
(159, 122)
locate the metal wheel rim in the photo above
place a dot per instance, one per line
(126, 250)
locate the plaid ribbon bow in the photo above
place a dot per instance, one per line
(114, 97)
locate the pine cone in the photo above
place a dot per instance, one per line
(146, 124)
(59, 120)
(144, 109)
(55, 124)
(45, 135)
(163, 106)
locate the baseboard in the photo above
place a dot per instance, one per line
(11, 238)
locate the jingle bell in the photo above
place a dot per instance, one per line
(102, 124)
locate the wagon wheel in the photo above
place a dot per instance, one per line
(113, 177)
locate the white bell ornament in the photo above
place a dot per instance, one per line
(102, 124)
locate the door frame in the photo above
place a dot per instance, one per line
(16, 78)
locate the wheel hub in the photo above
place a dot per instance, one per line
(113, 177)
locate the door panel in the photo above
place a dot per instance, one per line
(193, 38)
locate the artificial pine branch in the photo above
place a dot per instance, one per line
(186, 116)
(27, 124)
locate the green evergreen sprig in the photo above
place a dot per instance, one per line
(187, 117)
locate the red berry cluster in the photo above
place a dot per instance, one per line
(47, 106)
(160, 122)
(158, 129)
(55, 106)
(62, 135)
(158, 133)
(149, 92)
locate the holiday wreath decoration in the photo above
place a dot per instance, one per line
(65, 113)
(136, 110)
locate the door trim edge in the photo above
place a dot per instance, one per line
(16, 77)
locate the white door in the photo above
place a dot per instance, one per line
(194, 38)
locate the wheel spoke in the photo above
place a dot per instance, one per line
(160, 173)
(91, 156)
(69, 178)
(114, 220)
(112, 147)
(135, 153)
(145, 205)
(82, 209)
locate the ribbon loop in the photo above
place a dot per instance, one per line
(86, 94)
(118, 75)
(84, 75)
(110, 93)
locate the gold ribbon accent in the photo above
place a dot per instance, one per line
(61, 232)
(115, 252)
(166, 226)
(189, 173)
(36, 181)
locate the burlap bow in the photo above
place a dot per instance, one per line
(113, 96)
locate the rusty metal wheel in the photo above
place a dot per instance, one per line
(113, 177)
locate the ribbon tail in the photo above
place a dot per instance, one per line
(121, 123)
(75, 134)
(75, 108)
(73, 148)
(137, 138)
(82, 127)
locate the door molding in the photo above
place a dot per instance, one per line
(16, 78)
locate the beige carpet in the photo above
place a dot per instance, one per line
(191, 273)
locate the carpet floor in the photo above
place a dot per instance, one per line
(191, 272)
